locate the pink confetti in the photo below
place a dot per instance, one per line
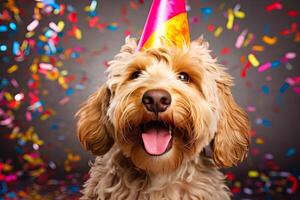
(296, 90)
(6, 121)
(14, 83)
(46, 66)
(64, 101)
(264, 67)
(28, 116)
(54, 27)
(290, 81)
(251, 108)
(240, 40)
(19, 97)
(32, 25)
(290, 55)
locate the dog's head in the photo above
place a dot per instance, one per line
(163, 106)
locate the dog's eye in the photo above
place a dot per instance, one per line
(183, 76)
(135, 74)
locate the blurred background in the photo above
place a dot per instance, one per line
(52, 57)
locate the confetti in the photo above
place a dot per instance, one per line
(253, 60)
(265, 66)
(12, 69)
(48, 64)
(230, 20)
(258, 48)
(274, 6)
(240, 40)
(32, 25)
(218, 31)
(269, 40)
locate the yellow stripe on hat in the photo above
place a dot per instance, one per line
(175, 31)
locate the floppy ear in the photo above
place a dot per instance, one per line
(231, 142)
(93, 127)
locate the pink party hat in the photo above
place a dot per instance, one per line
(167, 19)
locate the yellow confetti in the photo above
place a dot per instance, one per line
(78, 34)
(248, 39)
(34, 68)
(38, 172)
(253, 174)
(8, 96)
(230, 20)
(61, 25)
(239, 14)
(43, 38)
(253, 60)
(24, 45)
(7, 167)
(258, 48)
(40, 5)
(59, 64)
(218, 31)
(12, 69)
(87, 9)
(269, 40)
(29, 34)
(260, 141)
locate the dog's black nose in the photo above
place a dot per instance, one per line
(156, 100)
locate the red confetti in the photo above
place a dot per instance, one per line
(293, 13)
(211, 28)
(274, 6)
(244, 70)
(225, 51)
(72, 17)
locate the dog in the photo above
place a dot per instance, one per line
(151, 121)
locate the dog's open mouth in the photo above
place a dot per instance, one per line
(156, 136)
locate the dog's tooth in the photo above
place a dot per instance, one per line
(170, 129)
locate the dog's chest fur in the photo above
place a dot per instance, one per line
(114, 177)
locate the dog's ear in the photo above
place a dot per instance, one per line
(231, 142)
(93, 127)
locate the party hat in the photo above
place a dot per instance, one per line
(167, 19)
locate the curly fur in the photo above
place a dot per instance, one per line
(203, 113)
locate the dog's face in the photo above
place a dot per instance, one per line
(162, 107)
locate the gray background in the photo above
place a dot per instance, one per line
(278, 138)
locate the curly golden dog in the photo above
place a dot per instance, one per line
(151, 121)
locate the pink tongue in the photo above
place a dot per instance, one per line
(156, 141)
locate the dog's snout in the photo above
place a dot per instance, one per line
(156, 100)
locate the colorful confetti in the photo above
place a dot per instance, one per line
(53, 54)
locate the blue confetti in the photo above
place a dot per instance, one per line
(3, 47)
(12, 195)
(16, 48)
(3, 28)
(69, 91)
(266, 123)
(54, 127)
(48, 2)
(112, 28)
(49, 33)
(207, 11)
(283, 88)
(291, 152)
(3, 187)
(266, 29)
(275, 63)
(13, 26)
(265, 89)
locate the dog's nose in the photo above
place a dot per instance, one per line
(156, 100)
